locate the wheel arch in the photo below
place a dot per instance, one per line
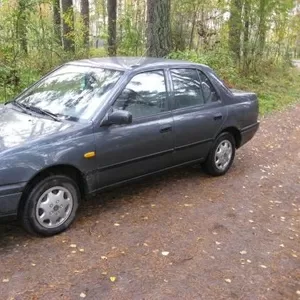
(61, 169)
(236, 134)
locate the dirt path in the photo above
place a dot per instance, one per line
(235, 237)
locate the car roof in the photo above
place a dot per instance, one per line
(130, 63)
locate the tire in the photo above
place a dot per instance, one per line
(56, 197)
(216, 167)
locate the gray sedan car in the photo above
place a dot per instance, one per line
(93, 124)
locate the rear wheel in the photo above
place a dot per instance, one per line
(51, 205)
(221, 155)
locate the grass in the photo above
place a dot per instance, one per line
(275, 90)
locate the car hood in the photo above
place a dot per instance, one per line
(18, 128)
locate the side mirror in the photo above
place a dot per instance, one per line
(118, 117)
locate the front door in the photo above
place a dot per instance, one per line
(198, 114)
(145, 146)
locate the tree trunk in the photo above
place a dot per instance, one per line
(235, 28)
(104, 6)
(262, 28)
(68, 25)
(193, 27)
(112, 27)
(21, 26)
(158, 28)
(57, 20)
(85, 14)
(120, 13)
(246, 46)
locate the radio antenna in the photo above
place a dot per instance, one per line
(143, 55)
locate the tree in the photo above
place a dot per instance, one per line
(235, 28)
(246, 45)
(85, 14)
(57, 20)
(68, 25)
(112, 27)
(158, 28)
(262, 27)
(22, 26)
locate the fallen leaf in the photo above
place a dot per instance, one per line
(165, 253)
(112, 278)
(263, 266)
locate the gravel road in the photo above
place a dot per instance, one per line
(180, 235)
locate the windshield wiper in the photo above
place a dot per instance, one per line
(35, 109)
(43, 112)
(22, 106)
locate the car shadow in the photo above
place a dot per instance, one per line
(113, 200)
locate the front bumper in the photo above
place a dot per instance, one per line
(10, 196)
(248, 133)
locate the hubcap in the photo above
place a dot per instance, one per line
(223, 155)
(54, 207)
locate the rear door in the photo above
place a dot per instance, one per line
(198, 114)
(146, 145)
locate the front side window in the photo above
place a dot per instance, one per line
(72, 92)
(187, 87)
(144, 95)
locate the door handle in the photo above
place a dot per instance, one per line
(218, 117)
(165, 128)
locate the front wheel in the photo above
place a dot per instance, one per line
(221, 155)
(51, 206)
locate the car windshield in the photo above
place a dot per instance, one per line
(72, 92)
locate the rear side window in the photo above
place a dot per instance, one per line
(209, 92)
(187, 87)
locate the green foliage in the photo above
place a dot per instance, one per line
(218, 59)
(277, 86)
(199, 33)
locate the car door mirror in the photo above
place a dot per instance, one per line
(118, 117)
